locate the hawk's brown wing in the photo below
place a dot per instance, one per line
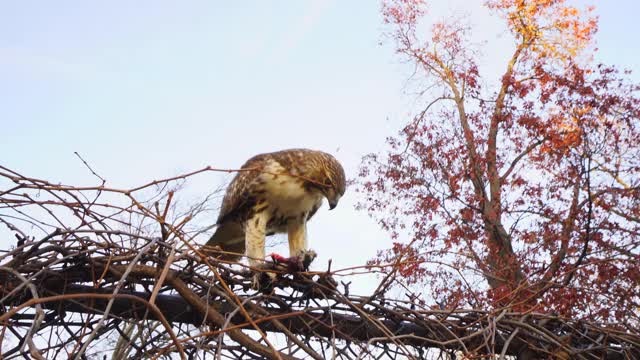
(236, 204)
(238, 194)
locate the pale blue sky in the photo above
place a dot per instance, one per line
(149, 89)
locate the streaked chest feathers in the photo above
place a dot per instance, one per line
(284, 196)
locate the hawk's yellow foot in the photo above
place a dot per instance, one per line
(263, 280)
(296, 263)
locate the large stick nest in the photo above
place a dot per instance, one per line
(91, 275)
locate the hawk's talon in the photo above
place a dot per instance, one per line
(296, 263)
(263, 280)
(307, 258)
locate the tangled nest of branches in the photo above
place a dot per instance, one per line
(95, 271)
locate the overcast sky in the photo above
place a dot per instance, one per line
(150, 89)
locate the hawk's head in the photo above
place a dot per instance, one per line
(334, 181)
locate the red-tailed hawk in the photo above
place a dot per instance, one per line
(276, 193)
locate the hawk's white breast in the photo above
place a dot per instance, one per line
(285, 193)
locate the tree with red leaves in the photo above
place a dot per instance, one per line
(524, 192)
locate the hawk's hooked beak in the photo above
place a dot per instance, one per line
(332, 197)
(333, 200)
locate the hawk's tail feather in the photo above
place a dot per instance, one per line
(227, 243)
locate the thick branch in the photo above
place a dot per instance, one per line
(457, 330)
